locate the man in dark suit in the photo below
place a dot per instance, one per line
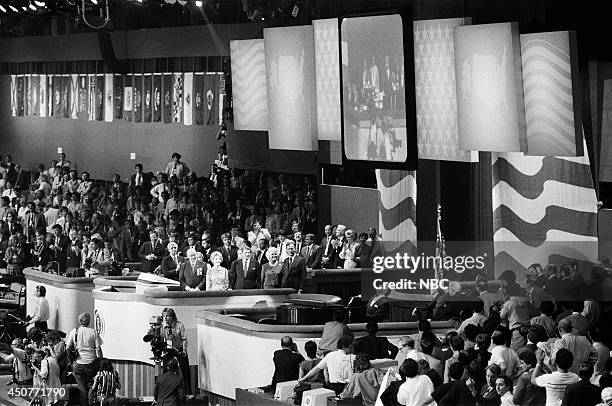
(22, 178)
(192, 273)
(151, 253)
(12, 226)
(207, 247)
(245, 273)
(311, 252)
(286, 362)
(32, 220)
(229, 252)
(169, 389)
(141, 179)
(261, 258)
(327, 252)
(171, 263)
(582, 392)
(60, 247)
(293, 272)
(376, 347)
(193, 243)
(73, 250)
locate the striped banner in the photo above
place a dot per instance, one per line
(14, 95)
(249, 85)
(42, 94)
(542, 206)
(550, 75)
(109, 111)
(187, 99)
(397, 209)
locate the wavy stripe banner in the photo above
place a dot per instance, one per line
(397, 209)
(542, 206)
(249, 88)
(550, 85)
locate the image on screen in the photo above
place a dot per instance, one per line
(374, 100)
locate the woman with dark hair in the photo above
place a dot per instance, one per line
(365, 381)
(173, 332)
(105, 385)
(488, 393)
(526, 393)
(503, 386)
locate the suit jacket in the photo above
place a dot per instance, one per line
(313, 260)
(581, 393)
(146, 182)
(14, 227)
(331, 254)
(237, 278)
(188, 275)
(261, 257)
(580, 324)
(146, 249)
(169, 390)
(170, 268)
(286, 366)
(197, 247)
(293, 273)
(229, 255)
(60, 254)
(73, 259)
(37, 220)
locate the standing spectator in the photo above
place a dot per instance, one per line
(525, 393)
(578, 345)
(105, 384)
(294, 269)
(286, 362)
(364, 383)
(86, 342)
(580, 324)
(173, 333)
(46, 375)
(503, 386)
(376, 347)
(192, 272)
(425, 369)
(488, 393)
(503, 356)
(545, 319)
(416, 389)
(171, 263)
(456, 344)
(169, 389)
(217, 277)
(327, 252)
(19, 360)
(477, 319)
(245, 273)
(271, 271)
(41, 310)
(555, 382)
(176, 167)
(466, 392)
(333, 331)
(515, 309)
(151, 252)
(582, 392)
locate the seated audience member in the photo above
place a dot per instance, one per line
(582, 392)
(310, 347)
(503, 386)
(555, 382)
(376, 347)
(169, 387)
(477, 319)
(245, 272)
(545, 319)
(417, 388)
(364, 382)
(466, 392)
(333, 331)
(151, 252)
(171, 262)
(488, 392)
(578, 345)
(192, 273)
(525, 393)
(286, 362)
(425, 369)
(338, 364)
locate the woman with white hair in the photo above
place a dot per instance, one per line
(348, 253)
(271, 271)
(217, 277)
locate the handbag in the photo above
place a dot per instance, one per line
(73, 352)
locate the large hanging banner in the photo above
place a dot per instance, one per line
(128, 99)
(74, 96)
(109, 110)
(91, 105)
(28, 95)
(249, 90)
(327, 70)
(100, 92)
(157, 98)
(35, 95)
(118, 97)
(200, 98)
(146, 98)
(177, 98)
(168, 97)
(57, 96)
(490, 106)
(211, 99)
(436, 97)
(66, 86)
(42, 96)
(20, 95)
(187, 99)
(551, 85)
(137, 98)
(83, 109)
(14, 95)
(50, 95)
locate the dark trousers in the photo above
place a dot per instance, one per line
(336, 387)
(183, 361)
(84, 375)
(42, 325)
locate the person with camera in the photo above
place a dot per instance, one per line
(46, 375)
(169, 388)
(173, 333)
(85, 353)
(41, 310)
(22, 373)
(56, 347)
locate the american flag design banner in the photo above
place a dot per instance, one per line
(137, 98)
(74, 99)
(177, 98)
(542, 206)
(249, 88)
(118, 97)
(397, 209)
(146, 98)
(167, 99)
(327, 76)
(550, 86)
(83, 109)
(42, 95)
(187, 99)
(436, 97)
(157, 98)
(109, 110)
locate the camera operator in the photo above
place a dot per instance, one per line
(41, 310)
(173, 333)
(86, 342)
(22, 374)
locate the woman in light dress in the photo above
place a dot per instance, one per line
(271, 272)
(217, 277)
(349, 250)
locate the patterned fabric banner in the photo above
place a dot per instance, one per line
(146, 98)
(128, 99)
(42, 96)
(118, 97)
(167, 101)
(157, 98)
(27, 87)
(57, 96)
(83, 109)
(100, 92)
(20, 95)
(249, 84)
(14, 95)
(177, 98)
(50, 96)
(137, 98)
(35, 95)
(436, 97)
(327, 71)
(109, 110)
(66, 86)
(605, 165)
(187, 99)
(200, 97)
(550, 85)
(74, 96)
(91, 105)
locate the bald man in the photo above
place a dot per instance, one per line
(286, 362)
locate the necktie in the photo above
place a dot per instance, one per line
(246, 266)
(327, 244)
(138, 179)
(308, 252)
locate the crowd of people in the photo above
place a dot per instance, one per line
(545, 344)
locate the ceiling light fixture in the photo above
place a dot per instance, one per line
(198, 3)
(32, 7)
(2, 8)
(24, 8)
(39, 3)
(13, 8)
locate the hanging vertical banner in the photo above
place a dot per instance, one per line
(109, 110)
(177, 98)
(137, 98)
(157, 98)
(211, 103)
(167, 91)
(74, 96)
(128, 102)
(146, 98)
(14, 95)
(42, 96)
(57, 96)
(198, 94)
(187, 99)
(66, 84)
(50, 95)
(221, 97)
(91, 105)
(83, 108)
(20, 95)
(327, 70)
(35, 90)
(100, 97)
(118, 97)
(28, 95)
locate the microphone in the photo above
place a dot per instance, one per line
(352, 299)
